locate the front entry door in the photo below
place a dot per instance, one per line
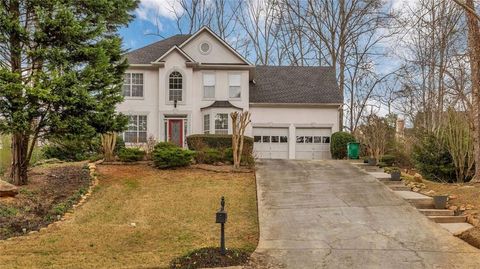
(175, 132)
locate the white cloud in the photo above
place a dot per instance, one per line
(151, 10)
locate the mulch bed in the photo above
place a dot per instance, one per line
(210, 258)
(50, 193)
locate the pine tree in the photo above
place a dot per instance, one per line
(61, 71)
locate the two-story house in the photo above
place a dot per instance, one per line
(188, 84)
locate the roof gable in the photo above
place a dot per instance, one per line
(152, 52)
(221, 52)
(176, 49)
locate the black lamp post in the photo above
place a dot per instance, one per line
(221, 217)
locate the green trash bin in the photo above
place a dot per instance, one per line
(353, 149)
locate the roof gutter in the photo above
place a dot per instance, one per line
(297, 105)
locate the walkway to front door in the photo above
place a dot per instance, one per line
(175, 131)
(329, 214)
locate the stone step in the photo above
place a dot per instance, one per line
(456, 228)
(437, 212)
(389, 182)
(399, 187)
(448, 219)
(416, 199)
(380, 175)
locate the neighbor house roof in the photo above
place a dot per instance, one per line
(295, 85)
(150, 53)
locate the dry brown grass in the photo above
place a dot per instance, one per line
(173, 210)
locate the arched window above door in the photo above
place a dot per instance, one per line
(175, 87)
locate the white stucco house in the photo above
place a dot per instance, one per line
(188, 84)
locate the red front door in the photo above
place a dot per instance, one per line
(175, 132)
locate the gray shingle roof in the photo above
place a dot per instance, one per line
(153, 51)
(221, 104)
(295, 84)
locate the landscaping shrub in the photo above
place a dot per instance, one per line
(222, 143)
(432, 159)
(167, 155)
(338, 145)
(228, 154)
(389, 160)
(215, 141)
(209, 156)
(120, 144)
(71, 148)
(131, 154)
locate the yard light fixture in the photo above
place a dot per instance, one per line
(221, 217)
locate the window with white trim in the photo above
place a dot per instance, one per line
(206, 123)
(137, 129)
(133, 85)
(234, 89)
(175, 87)
(221, 123)
(208, 85)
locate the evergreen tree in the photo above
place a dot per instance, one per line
(61, 71)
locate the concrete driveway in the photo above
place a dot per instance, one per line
(329, 214)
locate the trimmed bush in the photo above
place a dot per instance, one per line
(338, 145)
(131, 154)
(433, 160)
(167, 155)
(215, 141)
(209, 156)
(389, 160)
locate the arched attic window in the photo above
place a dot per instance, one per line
(175, 87)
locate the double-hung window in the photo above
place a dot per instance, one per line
(234, 89)
(206, 123)
(221, 123)
(175, 87)
(133, 85)
(137, 129)
(209, 85)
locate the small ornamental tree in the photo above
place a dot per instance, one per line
(240, 121)
(61, 71)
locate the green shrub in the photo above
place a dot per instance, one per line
(228, 154)
(215, 141)
(71, 148)
(382, 164)
(131, 154)
(433, 160)
(209, 156)
(338, 145)
(120, 144)
(167, 155)
(389, 160)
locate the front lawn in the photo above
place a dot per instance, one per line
(141, 217)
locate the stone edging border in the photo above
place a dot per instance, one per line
(92, 167)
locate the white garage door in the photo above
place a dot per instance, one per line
(312, 143)
(270, 143)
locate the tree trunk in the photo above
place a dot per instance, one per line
(474, 51)
(19, 159)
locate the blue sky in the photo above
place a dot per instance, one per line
(151, 17)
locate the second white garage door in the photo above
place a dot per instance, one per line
(270, 143)
(312, 143)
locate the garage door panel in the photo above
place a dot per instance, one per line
(312, 143)
(271, 143)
